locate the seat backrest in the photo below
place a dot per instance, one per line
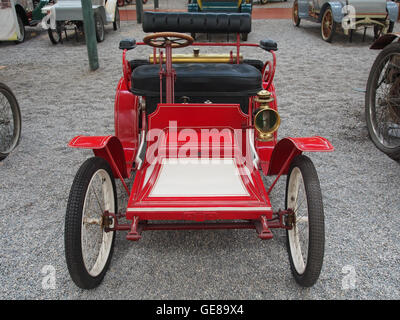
(196, 22)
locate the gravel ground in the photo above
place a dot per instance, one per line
(60, 98)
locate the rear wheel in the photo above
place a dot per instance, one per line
(306, 239)
(99, 24)
(10, 121)
(328, 25)
(88, 247)
(117, 20)
(55, 34)
(295, 14)
(21, 27)
(382, 101)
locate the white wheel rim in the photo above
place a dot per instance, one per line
(95, 242)
(299, 234)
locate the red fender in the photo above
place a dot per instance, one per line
(126, 121)
(288, 148)
(385, 40)
(107, 147)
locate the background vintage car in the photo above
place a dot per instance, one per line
(68, 15)
(381, 14)
(27, 13)
(220, 6)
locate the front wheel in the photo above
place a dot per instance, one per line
(328, 25)
(88, 247)
(10, 121)
(295, 14)
(306, 239)
(382, 106)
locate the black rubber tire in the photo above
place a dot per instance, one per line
(73, 224)
(21, 29)
(117, 20)
(16, 112)
(99, 26)
(51, 34)
(391, 26)
(334, 25)
(316, 224)
(296, 20)
(373, 78)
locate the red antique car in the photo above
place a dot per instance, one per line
(199, 131)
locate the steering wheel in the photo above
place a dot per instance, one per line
(175, 39)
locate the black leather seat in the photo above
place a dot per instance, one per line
(197, 22)
(140, 62)
(200, 79)
(199, 83)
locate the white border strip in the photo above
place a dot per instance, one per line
(189, 209)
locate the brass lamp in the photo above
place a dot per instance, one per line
(266, 120)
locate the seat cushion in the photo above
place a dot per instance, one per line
(200, 79)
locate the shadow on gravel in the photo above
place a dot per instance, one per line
(339, 37)
(77, 38)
